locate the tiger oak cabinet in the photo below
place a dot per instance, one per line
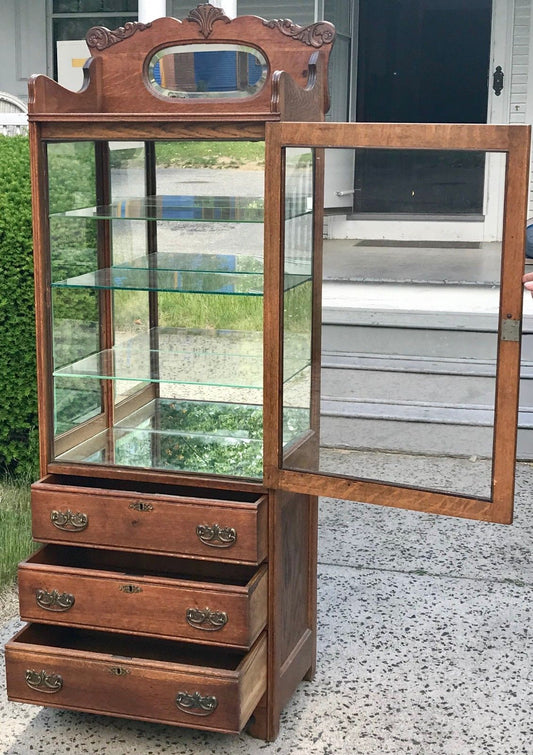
(173, 585)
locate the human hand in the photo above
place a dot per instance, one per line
(527, 280)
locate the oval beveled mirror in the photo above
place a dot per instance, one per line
(207, 71)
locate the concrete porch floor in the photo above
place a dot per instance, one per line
(420, 277)
(412, 262)
(425, 647)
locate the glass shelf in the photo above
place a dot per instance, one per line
(213, 438)
(169, 272)
(188, 357)
(198, 262)
(188, 208)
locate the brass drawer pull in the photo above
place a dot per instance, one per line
(41, 681)
(195, 704)
(68, 521)
(216, 536)
(207, 620)
(54, 601)
(141, 506)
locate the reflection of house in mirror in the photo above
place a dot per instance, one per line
(221, 70)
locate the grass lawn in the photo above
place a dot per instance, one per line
(15, 528)
(197, 154)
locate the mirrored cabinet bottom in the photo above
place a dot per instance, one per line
(194, 436)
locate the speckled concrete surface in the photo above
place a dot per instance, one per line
(358, 535)
(425, 648)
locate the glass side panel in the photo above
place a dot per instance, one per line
(405, 381)
(298, 303)
(73, 251)
(204, 71)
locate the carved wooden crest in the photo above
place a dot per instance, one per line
(101, 38)
(205, 16)
(315, 35)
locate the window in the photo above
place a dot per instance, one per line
(71, 19)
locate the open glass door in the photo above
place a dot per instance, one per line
(412, 355)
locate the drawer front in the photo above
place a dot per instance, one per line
(201, 698)
(205, 613)
(216, 530)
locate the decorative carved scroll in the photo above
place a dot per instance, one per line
(101, 38)
(205, 16)
(315, 35)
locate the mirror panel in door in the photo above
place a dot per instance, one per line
(409, 349)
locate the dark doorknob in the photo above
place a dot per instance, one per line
(497, 81)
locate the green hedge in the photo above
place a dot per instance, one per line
(18, 389)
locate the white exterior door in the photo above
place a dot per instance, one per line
(498, 112)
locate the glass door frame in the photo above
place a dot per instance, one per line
(514, 142)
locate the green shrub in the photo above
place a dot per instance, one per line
(18, 392)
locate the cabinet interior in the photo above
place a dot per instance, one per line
(157, 274)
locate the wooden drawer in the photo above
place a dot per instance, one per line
(151, 680)
(210, 603)
(191, 522)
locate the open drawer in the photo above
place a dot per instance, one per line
(150, 680)
(206, 602)
(120, 514)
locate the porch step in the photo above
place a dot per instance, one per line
(416, 382)
(418, 334)
(416, 429)
(396, 379)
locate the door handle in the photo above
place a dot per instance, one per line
(497, 81)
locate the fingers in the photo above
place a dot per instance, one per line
(528, 282)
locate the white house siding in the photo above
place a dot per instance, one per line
(23, 40)
(520, 61)
(300, 11)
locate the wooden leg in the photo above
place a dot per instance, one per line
(310, 674)
(261, 724)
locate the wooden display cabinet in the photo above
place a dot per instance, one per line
(178, 331)
(163, 546)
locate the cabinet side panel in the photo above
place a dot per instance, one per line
(292, 605)
(293, 571)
